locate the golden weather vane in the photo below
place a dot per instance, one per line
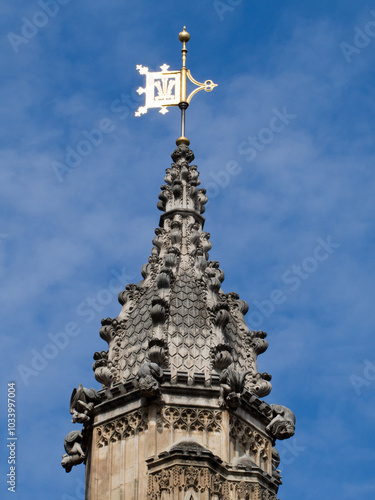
(169, 88)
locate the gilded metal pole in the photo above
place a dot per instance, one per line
(184, 37)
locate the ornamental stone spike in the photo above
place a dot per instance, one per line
(179, 414)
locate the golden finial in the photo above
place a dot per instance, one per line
(184, 36)
(171, 87)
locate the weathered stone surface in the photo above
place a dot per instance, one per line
(282, 425)
(179, 415)
(180, 298)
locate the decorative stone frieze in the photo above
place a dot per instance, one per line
(122, 427)
(190, 419)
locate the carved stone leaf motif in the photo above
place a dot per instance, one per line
(127, 425)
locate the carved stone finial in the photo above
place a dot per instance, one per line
(182, 154)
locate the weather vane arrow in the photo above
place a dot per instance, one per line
(169, 88)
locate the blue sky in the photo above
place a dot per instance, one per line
(290, 210)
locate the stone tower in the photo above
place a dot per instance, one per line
(179, 414)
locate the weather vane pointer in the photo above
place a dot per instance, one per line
(169, 88)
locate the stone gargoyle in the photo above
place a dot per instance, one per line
(232, 386)
(82, 403)
(148, 379)
(282, 425)
(74, 453)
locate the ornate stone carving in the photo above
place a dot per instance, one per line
(127, 425)
(158, 241)
(148, 379)
(191, 477)
(214, 277)
(232, 385)
(282, 425)
(266, 494)
(172, 299)
(159, 309)
(171, 174)
(102, 371)
(158, 351)
(244, 490)
(182, 155)
(195, 234)
(201, 200)
(82, 403)
(106, 331)
(171, 258)
(206, 244)
(178, 318)
(74, 452)
(200, 262)
(194, 176)
(163, 281)
(258, 342)
(147, 273)
(163, 197)
(177, 188)
(222, 356)
(190, 419)
(201, 480)
(164, 480)
(217, 484)
(183, 478)
(175, 234)
(259, 384)
(128, 299)
(221, 319)
(253, 444)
